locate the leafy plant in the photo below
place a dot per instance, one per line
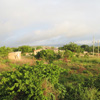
(4, 51)
(25, 49)
(48, 55)
(25, 83)
(68, 54)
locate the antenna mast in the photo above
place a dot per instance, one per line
(98, 48)
(93, 45)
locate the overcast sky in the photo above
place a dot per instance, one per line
(48, 22)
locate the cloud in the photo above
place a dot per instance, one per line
(87, 42)
(33, 21)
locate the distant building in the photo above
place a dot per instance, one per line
(62, 51)
(28, 54)
(55, 50)
(36, 51)
(85, 52)
(14, 55)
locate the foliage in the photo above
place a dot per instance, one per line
(38, 47)
(81, 78)
(86, 55)
(76, 48)
(25, 49)
(25, 83)
(81, 93)
(72, 47)
(41, 54)
(80, 87)
(14, 49)
(97, 82)
(85, 47)
(68, 54)
(4, 51)
(47, 55)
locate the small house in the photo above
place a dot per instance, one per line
(36, 51)
(14, 55)
(55, 50)
(85, 52)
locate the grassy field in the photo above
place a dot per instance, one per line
(80, 76)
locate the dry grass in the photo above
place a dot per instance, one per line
(81, 69)
(49, 89)
(4, 67)
(24, 60)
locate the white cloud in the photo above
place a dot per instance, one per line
(72, 18)
(87, 42)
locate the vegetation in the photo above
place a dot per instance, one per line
(87, 48)
(26, 82)
(48, 54)
(72, 47)
(68, 54)
(65, 75)
(81, 78)
(76, 48)
(38, 47)
(4, 51)
(25, 49)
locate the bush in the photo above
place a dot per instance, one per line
(72, 47)
(25, 83)
(4, 51)
(48, 55)
(38, 47)
(68, 54)
(25, 49)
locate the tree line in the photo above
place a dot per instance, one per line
(71, 47)
(79, 48)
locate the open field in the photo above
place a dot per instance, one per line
(80, 77)
(49, 74)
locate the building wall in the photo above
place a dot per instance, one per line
(14, 55)
(36, 51)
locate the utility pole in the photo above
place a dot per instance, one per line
(93, 45)
(98, 48)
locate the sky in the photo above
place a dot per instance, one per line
(49, 22)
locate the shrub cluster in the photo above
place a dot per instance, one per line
(48, 54)
(25, 83)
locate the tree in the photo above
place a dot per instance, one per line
(48, 54)
(15, 49)
(38, 47)
(41, 54)
(4, 51)
(85, 47)
(25, 49)
(72, 47)
(68, 54)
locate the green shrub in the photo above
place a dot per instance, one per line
(25, 49)
(48, 55)
(89, 94)
(85, 71)
(97, 82)
(68, 54)
(25, 83)
(5, 61)
(81, 93)
(4, 51)
(86, 55)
